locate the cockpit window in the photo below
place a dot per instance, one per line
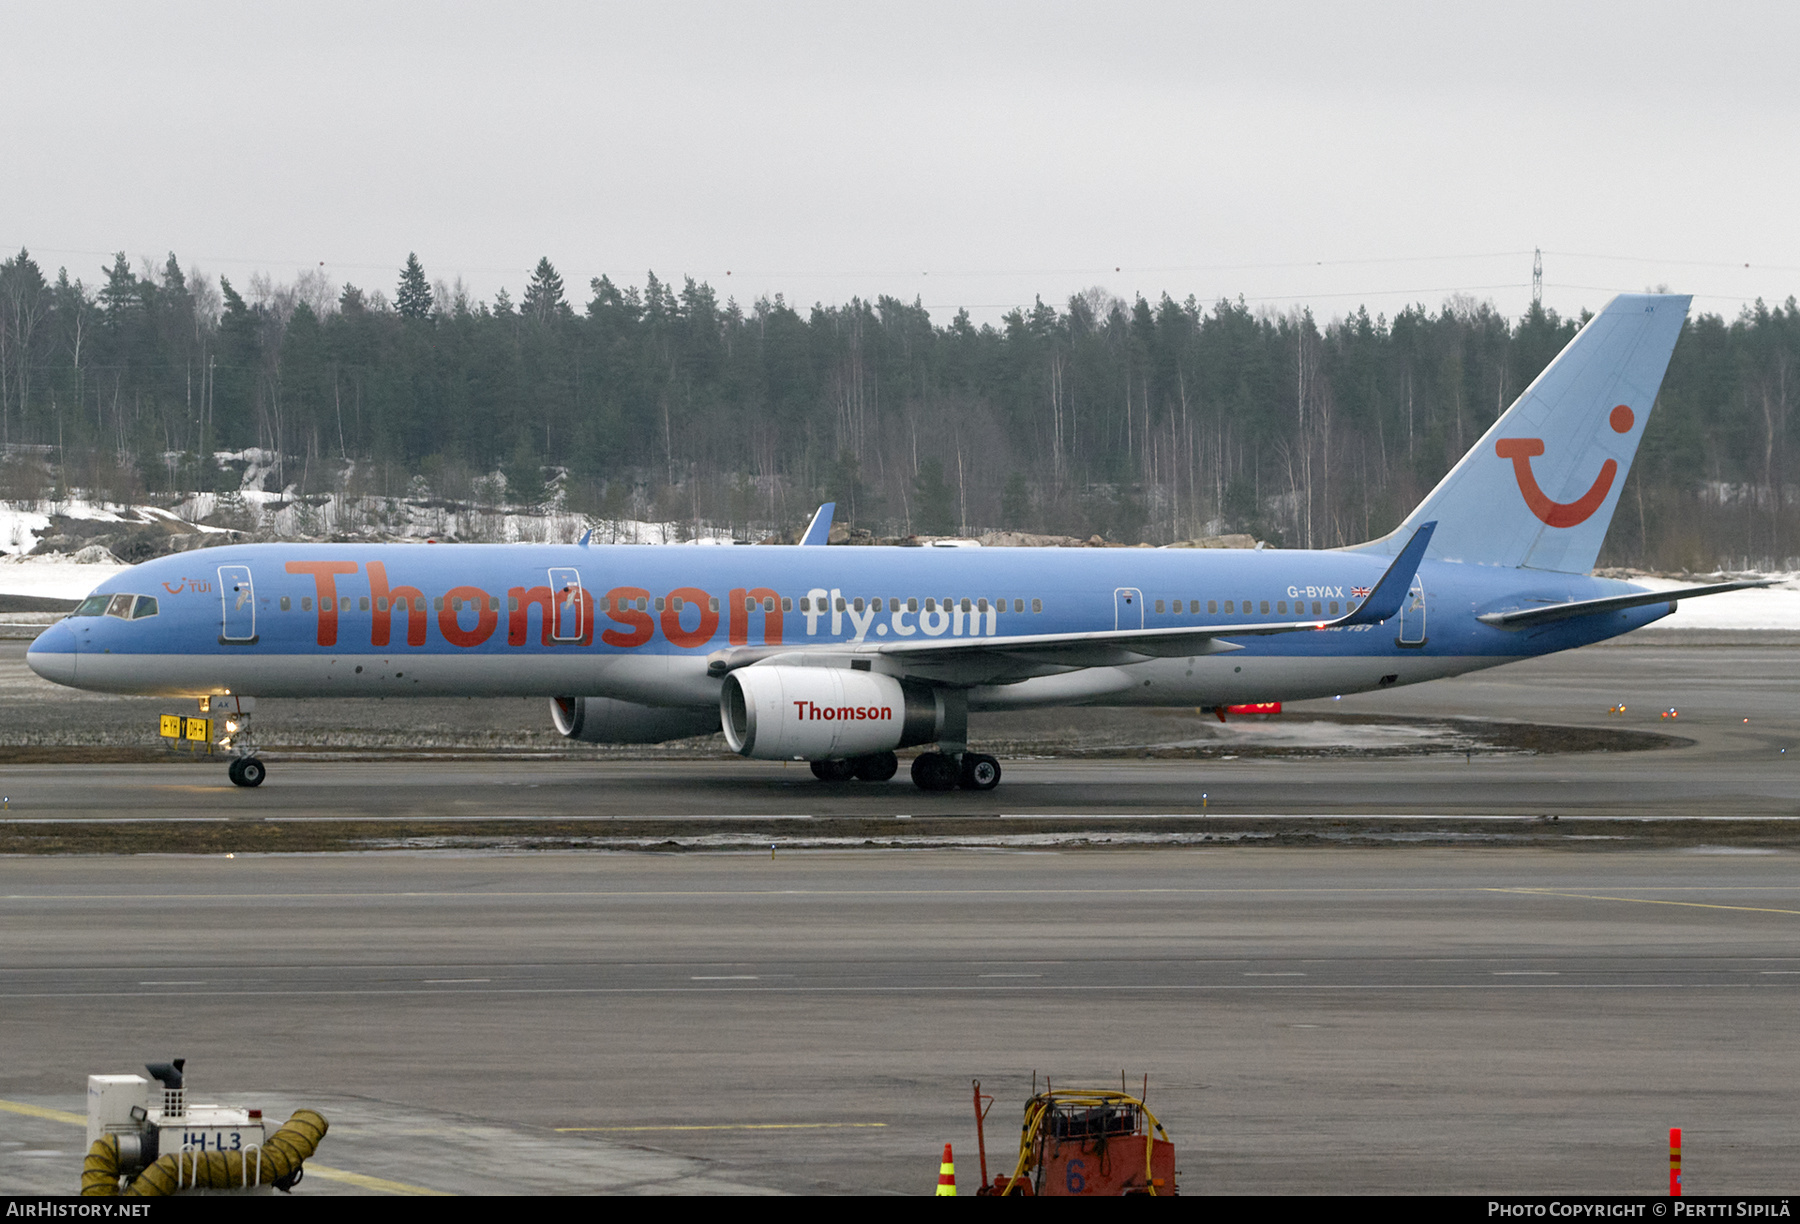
(120, 606)
(93, 605)
(145, 606)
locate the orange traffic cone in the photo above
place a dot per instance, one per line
(947, 1176)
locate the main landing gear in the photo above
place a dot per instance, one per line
(946, 769)
(932, 771)
(940, 771)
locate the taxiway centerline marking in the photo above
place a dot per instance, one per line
(744, 1126)
(766, 893)
(1540, 892)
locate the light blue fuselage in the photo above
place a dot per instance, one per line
(561, 620)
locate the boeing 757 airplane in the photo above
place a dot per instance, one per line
(840, 656)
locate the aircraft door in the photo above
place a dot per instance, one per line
(237, 596)
(1412, 616)
(565, 590)
(1128, 608)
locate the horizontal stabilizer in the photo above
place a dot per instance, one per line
(1529, 618)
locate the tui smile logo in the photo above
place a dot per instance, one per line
(1555, 513)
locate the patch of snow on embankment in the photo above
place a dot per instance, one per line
(1776, 607)
(53, 577)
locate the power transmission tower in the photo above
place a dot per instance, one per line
(1537, 277)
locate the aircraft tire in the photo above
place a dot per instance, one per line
(250, 772)
(933, 771)
(979, 772)
(877, 766)
(231, 771)
(834, 771)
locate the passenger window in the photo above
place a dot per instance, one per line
(966, 605)
(840, 603)
(437, 603)
(787, 604)
(1018, 605)
(805, 604)
(912, 605)
(768, 603)
(1159, 605)
(981, 604)
(1265, 607)
(930, 604)
(286, 603)
(1334, 610)
(1037, 605)
(493, 603)
(859, 603)
(1281, 606)
(1315, 607)
(362, 603)
(1230, 606)
(381, 605)
(675, 602)
(1212, 607)
(712, 603)
(659, 603)
(643, 603)
(146, 606)
(306, 603)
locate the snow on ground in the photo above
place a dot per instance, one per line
(53, 577)
(1776, 607)
(19, 529)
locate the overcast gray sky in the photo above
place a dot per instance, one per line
(965, 154)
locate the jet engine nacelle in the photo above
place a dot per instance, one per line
(825, 713)
(606, 720)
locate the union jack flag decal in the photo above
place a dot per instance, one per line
(1360, 592)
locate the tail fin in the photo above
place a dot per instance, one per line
(1540, 487)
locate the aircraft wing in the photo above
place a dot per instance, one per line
(1024, 653)
(1530, 618)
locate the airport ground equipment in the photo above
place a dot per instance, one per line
(1082, 1141)
(146, 1140)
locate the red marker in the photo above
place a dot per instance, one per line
(1675, 1161)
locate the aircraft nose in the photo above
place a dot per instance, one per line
(52, 654)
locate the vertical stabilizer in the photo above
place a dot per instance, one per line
(1540, 487)
(818, 532)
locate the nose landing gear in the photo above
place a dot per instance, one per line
(234, 715)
